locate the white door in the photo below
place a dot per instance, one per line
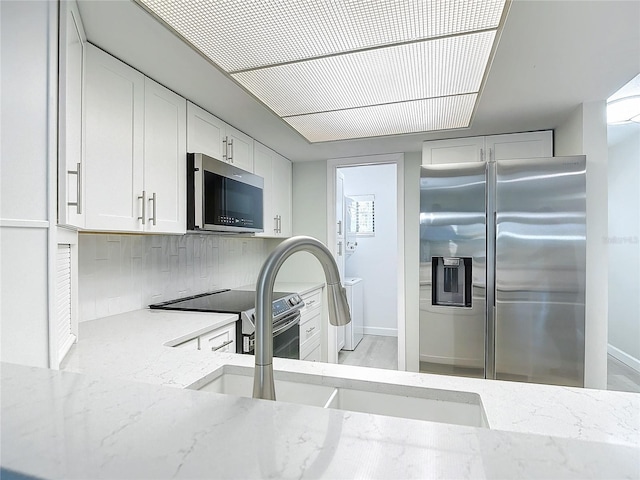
(114, 123)
(456, 150)
(205, 133)
(165, 159)
(520, 145)
(239, 149)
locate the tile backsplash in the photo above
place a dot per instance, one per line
(121, 273)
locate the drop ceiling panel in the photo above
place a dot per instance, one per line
(242, 34)
(391, 119)
(433, 68)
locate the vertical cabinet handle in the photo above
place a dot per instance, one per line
(230, 144)
(225, 146)
(78, 173)
(143, 197)
(339, 227)
(339, 249)
(152, 219)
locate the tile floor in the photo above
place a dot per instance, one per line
(382, 352)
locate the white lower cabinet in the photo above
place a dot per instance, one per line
(222, 339)
(311, 326)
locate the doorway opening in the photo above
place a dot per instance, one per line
(366, 231)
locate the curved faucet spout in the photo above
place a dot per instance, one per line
(263, 385)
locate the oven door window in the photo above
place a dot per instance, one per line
(231, 203)
(287, 343)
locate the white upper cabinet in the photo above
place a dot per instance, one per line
(70, 173)
(455, 150)
(520, 145)
(281, 184)
(165, 159)
(209, 135)
(489, 148)
(135, 150)
(205, 133)
(239, 149)
(276, 171)
(114, 143)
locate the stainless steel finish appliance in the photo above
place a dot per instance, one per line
(285, 313)
(502, 269)
(221, 197)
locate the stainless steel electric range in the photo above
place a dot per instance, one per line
(286, 317)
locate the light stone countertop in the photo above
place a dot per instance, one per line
(535, 430)
(57, 424)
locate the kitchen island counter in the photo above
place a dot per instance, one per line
(57, 424)
(535, 430)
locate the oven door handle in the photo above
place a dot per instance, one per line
(286, 323)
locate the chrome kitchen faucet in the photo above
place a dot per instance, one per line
(263, 386)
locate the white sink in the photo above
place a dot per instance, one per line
(446, 406)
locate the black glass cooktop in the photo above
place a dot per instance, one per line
(222, 301)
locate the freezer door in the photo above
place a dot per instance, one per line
(540, 270)
(453, 232)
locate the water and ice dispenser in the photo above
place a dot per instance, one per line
(451, 277)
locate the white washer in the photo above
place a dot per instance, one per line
(354, 330)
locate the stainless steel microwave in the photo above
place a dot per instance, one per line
(221, 197)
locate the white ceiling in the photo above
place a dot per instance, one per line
(553, 55)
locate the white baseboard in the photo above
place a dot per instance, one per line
(624, 357)
(384, 332)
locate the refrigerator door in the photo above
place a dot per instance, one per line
(540, 270)
(452, 250)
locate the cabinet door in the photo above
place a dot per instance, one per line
(520, 145)
(205, 133)
(281, 194)
(114, 123)
(262, 167)
(456, 150)
(70, 172)
(220, 340)
(239, 149)
(165, 157)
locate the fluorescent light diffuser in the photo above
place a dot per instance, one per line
(433, 68)
(338, 69)
(391, 119)
(242, 34)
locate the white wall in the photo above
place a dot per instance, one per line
(375, 259)
(412, 162)
(585, 133)
(27, 200)
(624, 243)
(121, 273)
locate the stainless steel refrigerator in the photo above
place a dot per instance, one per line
(502, 269)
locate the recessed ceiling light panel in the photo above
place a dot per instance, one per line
(245, 34)
(433, 68)
(396, 118)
